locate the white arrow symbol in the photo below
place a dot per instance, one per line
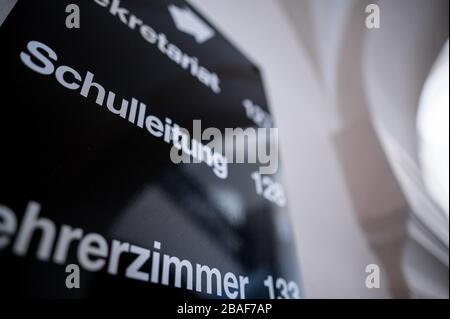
(188, 22)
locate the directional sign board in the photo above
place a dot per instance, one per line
(86, 175)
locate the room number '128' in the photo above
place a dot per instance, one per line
(269, 189)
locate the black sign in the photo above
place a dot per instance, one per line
(86, 176)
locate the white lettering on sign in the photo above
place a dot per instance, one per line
(269, 189)
(40, 57)
(160, 40)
